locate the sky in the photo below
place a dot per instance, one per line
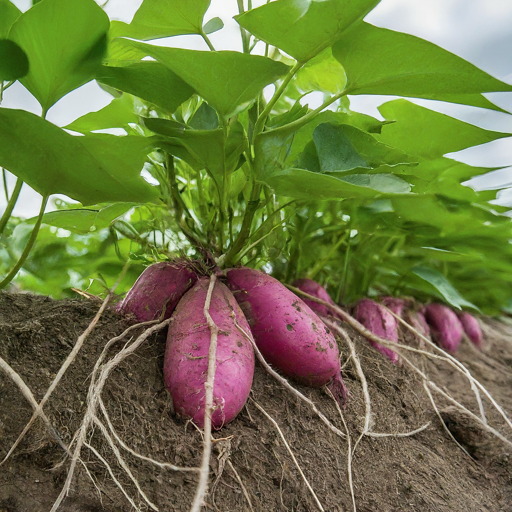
(480, 31)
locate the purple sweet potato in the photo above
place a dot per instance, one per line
(380, 322)
(317, 290)
(186, 355)
(471, 328)
(288, 333)
(446, 328)
(394, 304)
(160, 286)
(418, 321)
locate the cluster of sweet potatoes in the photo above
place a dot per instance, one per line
(249, 308)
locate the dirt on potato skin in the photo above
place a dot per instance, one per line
(425, 472)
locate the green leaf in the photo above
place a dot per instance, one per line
(421, 132)
(117, 114)
(13, 61)
(210, 148)
(92, 169)
(156, 18)
(149, 81)
(9, 13)
(303, 28)
(322, 73)
(382, 61)
(302, 184)
(228, 81)
(214, 25)
(85, 220)
(205, 118)
(64, 41)
(443, 287)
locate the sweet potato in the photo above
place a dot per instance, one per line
(288, 333)
(317, 290)
(394, 304)
(471, 328)
(160, 286)
(445, 326)
(418, 321)
(186, 355)
(380, 322)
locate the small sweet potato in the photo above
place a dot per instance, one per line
(288, 333)
(317, 290)
(394, 304)
(160, 286)
(186, 355)
(446, 328)
(380, 322)
(418, 321)
(471, 328)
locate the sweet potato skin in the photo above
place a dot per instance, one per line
(472, 328)
(445, 327)
(394, 304)
(186, 355)
(317, 290)
(288, 333)
(380, 322)
(160, 286)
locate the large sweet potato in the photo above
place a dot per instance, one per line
(471, 328)
(160, 286)
(186, 355)
(317, 290)
(380, 322)
(288, 333)
(446, 328)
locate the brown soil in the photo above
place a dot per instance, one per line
(425, 472)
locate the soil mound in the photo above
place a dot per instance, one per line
(250, 463)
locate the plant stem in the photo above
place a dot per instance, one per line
(6, 190)
(260, 123)
(243, 32)
(245, 230)
(320, 263)
(207, 40)
(11, 204)
(10, 276)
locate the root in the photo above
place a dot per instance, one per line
(95, 390)
(71, 357)
(364, 383)
(287, 385)
(401, 434)
(209, 406)
(429, 394)
(244, 490)
(290, 452)
(445, 357)
(349, 451)
(25, 390)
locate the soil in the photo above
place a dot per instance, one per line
(424, 472)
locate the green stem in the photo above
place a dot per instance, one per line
(299, 123)
(342, 289)
(11, 204)
(6, 190)
(260, 123)
(10, 276)
(321, 263)
(243, 32)
(245, 230)
(207, 40)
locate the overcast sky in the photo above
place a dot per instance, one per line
(478, 30)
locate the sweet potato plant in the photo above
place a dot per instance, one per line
(233, 175)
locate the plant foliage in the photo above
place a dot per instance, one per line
(367, 207)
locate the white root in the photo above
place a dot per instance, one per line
(349, 450)
(290, 452)
(71, 357)
(204, 472)
(95, 390)
(287, 385)
(244, 490)
(361, 375)
(27, 393)
(429, 394)
(445, 357)
(400, 434)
